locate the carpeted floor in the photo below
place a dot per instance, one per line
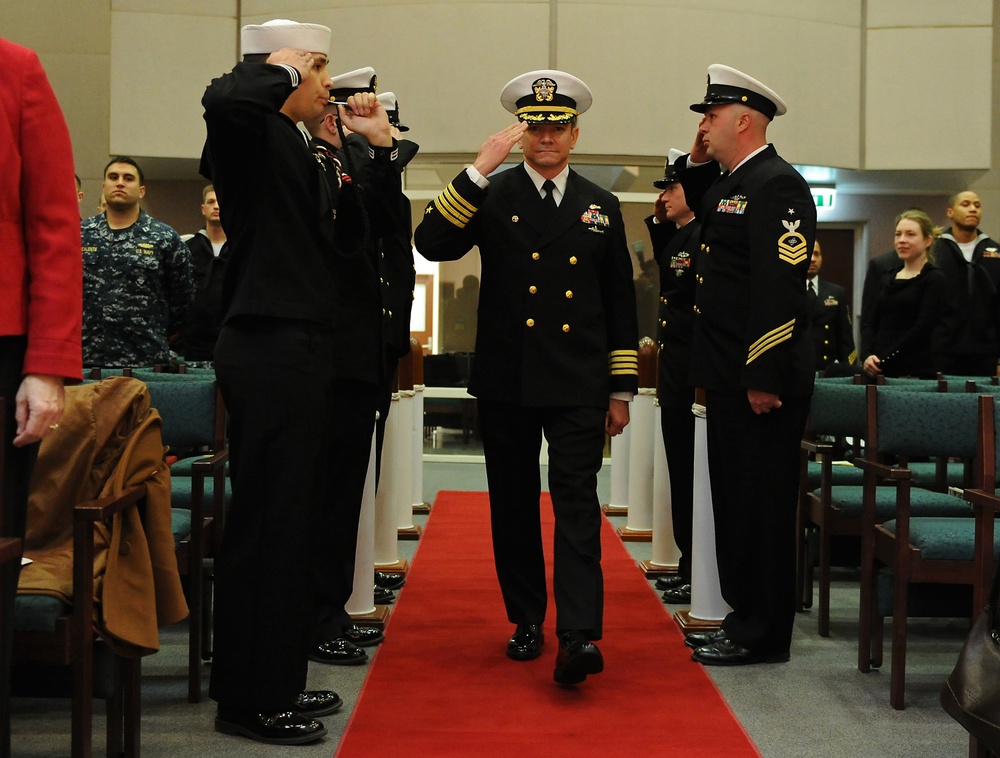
(444, 657)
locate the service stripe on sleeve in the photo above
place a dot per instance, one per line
(623, 362)
(769, 340)
(454, 207)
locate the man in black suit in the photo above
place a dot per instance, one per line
(556, 352)
(830, 317)
(753, 356)
(674, 234)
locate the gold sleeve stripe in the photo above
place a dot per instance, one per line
(445, 211)
(853, 357)
(769, 340)
(454, 208)
(623, 362)
(458, 200)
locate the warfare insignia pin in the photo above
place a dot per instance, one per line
(791, 244)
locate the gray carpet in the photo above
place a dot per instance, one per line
(816, 705)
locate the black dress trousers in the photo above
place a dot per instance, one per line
(277, 380)
(512, 436)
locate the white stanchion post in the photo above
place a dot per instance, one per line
(618, 496)
(665, 552)
(640, 464)
(386, 545)
(362, 600)
(706, 597)
(403, 462)
(417, 438)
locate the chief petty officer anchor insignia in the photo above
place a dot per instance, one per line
(791, 244)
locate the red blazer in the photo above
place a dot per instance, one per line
(41, 276)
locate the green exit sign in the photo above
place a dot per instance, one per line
(824, 198)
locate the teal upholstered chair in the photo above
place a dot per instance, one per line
(76, 628)
(833, 510)
(921, 536)
(837, 411)
(194, 425)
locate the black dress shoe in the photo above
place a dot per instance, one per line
(363, 636)
(700, 639)
(727, 653)
(315, 703)
(678, 595)
(577, 658)
(383, 596)
(338, 652)
(389, 581)
(670, 581)
(284, 728)
(526, 643)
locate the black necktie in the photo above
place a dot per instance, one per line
(811, 291)
(549, 187)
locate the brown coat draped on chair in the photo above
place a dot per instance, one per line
(107, 440)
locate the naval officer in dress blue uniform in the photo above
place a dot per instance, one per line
(830, 315)
(556, 353)
(753, 354)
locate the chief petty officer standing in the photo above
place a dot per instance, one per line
(555, 353)
(753, 354)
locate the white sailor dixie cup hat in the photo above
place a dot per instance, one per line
(546, 96)
(388, 100)
(281, 33)
(358, 80)
(727, 85)
(671, 169)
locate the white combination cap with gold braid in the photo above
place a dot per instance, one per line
(546, 96)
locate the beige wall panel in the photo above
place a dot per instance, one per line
(920, 112)
(162, 65)
(81, 84)
(643, 109)
(889, 13)
(80, 26)
(839, 12)
(446, 65)
(214, 8)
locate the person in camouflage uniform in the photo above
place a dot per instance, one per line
(138, 279)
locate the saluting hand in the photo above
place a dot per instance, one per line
(699, 152)
(660, 208)
(496, 149)
(300, 60)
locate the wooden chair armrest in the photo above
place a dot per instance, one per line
(106, 507)
(817, 448)
(982, 499)
(209, 465)
(883, 471)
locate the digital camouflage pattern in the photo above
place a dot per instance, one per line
(137, 285)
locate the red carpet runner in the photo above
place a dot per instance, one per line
(442, 686)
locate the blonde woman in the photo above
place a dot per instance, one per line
(900, 335)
